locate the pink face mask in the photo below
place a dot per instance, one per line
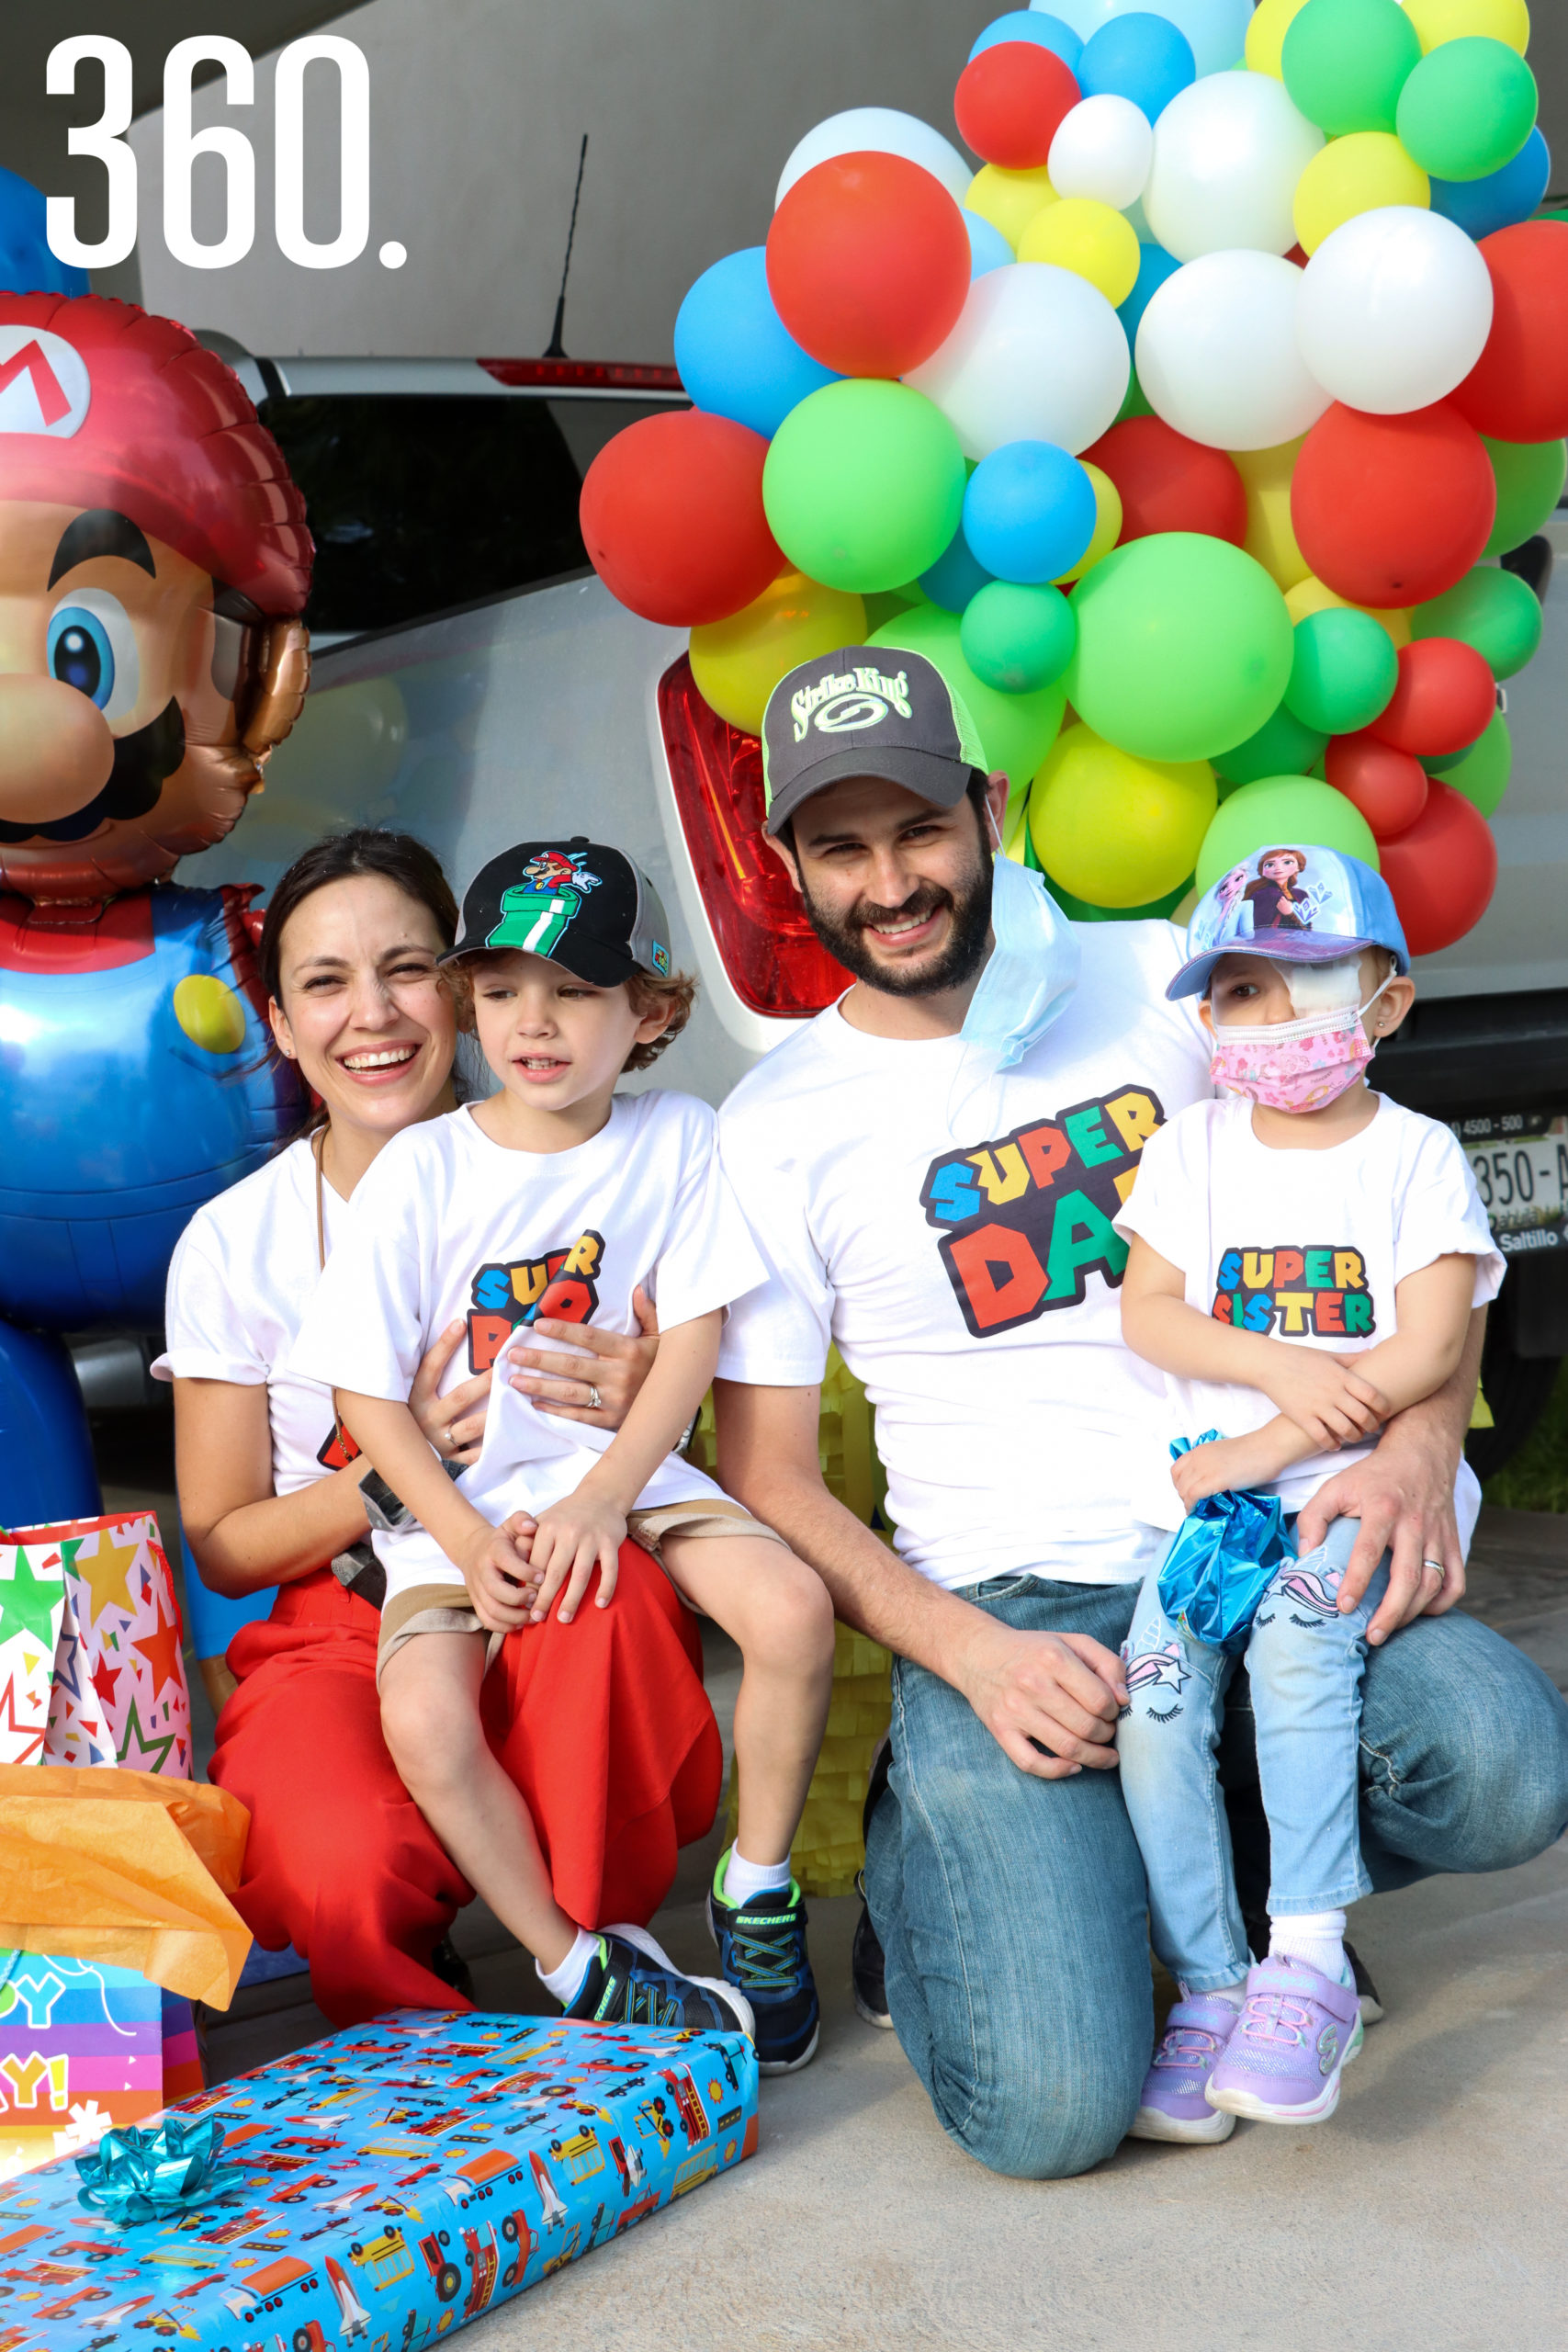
(1295, 1065)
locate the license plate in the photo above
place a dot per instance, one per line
(1520, 1162)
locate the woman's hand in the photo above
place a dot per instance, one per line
(604, 1362)
(583, 1531)
(451, 1423)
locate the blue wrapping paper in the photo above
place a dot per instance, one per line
(1227, 1552)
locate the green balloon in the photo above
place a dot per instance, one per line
(1079, 910)
(1346, 62)
(1016, 730)
(1530, 477)
(1481, 774)
(1018, 640)
(1492, 609)
(864, 484)
(1282, 746)
(1344, 671)
(1285, 812)
(1467, 109)
(1135, 400)
(1184, 647)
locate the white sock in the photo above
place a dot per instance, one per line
(742, 1879)
(1316, 1937)
(1233, 1996)
(566, 1981)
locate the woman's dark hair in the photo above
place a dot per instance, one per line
(341, 857)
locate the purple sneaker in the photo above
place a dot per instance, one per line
(1296, 2035)
(1172, 2106)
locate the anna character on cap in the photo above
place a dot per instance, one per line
(154, 565)
(1275, 906)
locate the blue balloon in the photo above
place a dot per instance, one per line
(735, 355)
(1029, 24)
(989, 249)
(955, 576)
(1029, 512)
(1482, 206)
(1140, 57)
(27, 266)
(1155, 265)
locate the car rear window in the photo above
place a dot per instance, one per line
(422, 502)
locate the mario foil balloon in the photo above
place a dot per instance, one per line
(153, 564)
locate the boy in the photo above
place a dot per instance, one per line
(1306, 1256)
(558, 1196)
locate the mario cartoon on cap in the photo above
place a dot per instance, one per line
(1296, 905)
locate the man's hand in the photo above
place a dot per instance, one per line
(1404, 1497)
(1327, 1398)
(454, 1424)
(574, 1537)
(496, 1571)
(1050, 1701)
(610, 1362)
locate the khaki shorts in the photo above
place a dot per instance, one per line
(433, 1609)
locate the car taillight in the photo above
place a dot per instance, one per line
(583, 375)
(775, 962)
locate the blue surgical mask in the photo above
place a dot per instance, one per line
(1033, 971)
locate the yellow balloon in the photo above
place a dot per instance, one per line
(1270, 534)
(1089, 239)
(1009, 200)
(1115, 831)
(1310, 595)
(1439, 20)
(1107, 528)
(1358, 174)
(1272, 21)
(739, 662)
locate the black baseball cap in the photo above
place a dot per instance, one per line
(867, 710)
(582, 905)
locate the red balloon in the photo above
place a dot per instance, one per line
(1010, 102)
(672, 518)
(1168, 483)
(1443, 872)
(1392, 510)
(1445, 699)
(1389, 787)
(1517, 389)
(868, 263)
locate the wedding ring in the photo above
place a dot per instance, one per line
(1439, 1570)
(596, 1402)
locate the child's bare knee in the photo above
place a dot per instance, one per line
(796, 1625)
(428, 1724)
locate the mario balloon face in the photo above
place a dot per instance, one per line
(153, 561)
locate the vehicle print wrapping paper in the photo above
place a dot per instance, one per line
(399, 2179)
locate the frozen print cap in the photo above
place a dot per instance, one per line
(1298, 905)
(582, 905)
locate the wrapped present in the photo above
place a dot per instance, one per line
(119, 1693)
(81, 2049)
(382, 2187)
(32, 1609)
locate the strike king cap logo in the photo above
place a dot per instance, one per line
(44, 383)
(847, 702)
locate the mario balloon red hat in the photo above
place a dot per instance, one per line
(104, 405)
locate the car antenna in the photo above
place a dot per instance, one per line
(554, 348)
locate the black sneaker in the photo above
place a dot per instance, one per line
(762, 1949)
(634, 1982)
(868, 1969)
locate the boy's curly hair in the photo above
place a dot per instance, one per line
(647, 995)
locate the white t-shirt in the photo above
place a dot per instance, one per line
(241, 1278)
(449, 1225)
(1307, 1246)
(954, 1233)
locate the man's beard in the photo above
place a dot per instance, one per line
(954, 963)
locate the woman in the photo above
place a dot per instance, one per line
(340, 1863)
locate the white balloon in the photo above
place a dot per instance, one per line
(1218, 356)
(881, 131)
(1228, 154)
(1396, 308)
(1038, 354)
(1103, 148)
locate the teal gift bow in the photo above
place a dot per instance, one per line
(150, 2176)
(1228, 1551)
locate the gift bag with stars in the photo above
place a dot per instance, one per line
(119, 1692)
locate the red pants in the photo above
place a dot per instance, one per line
(603, 1725)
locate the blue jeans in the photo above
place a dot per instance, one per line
(1304, 1663)
(1012, 1910)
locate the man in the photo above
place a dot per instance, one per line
(947, 1222)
